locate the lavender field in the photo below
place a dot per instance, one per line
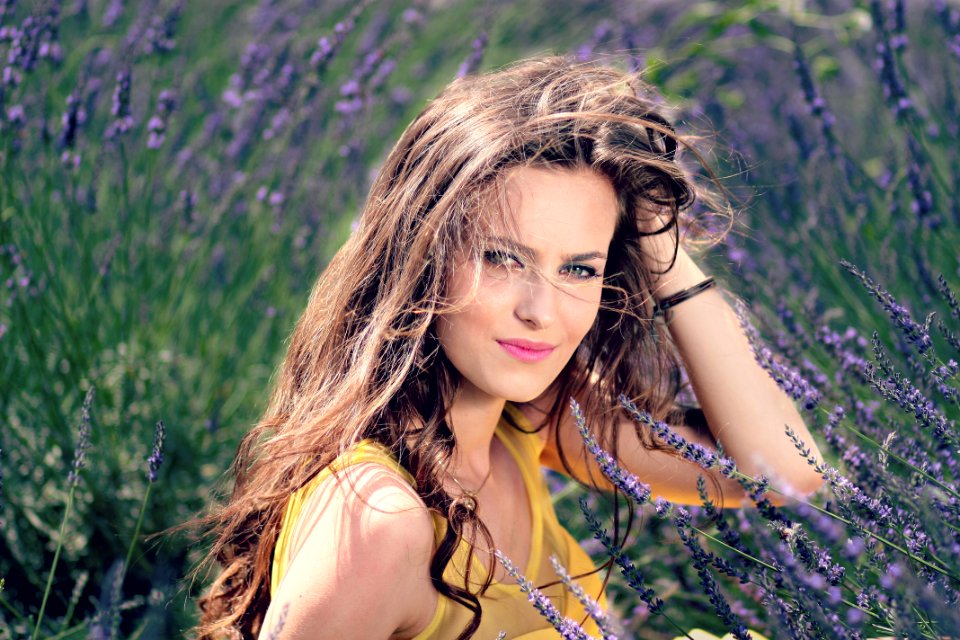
(174, 175)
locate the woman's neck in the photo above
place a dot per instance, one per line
(473, 419)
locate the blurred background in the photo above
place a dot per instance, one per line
(174, 176)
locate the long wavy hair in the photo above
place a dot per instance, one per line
(364, 360)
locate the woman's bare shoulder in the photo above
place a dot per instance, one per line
(362, 536)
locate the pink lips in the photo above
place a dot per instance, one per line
(526, 350)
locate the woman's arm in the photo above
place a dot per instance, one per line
(745, 409)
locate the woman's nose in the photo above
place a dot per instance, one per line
(536, 301)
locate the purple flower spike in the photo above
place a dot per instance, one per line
(634, 577)
(157, 126)
(589, 604)
(120, 110)
(702, 561)
(786, 377)
(897, 389)
(73, 117)
(476, 55)
(692, 451)
(156, 457)
(628, 483)
(83, 441)
(568, 629)
(815, 102)
(159, 36)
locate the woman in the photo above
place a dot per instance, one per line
(519, 247)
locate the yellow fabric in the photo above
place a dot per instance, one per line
(505, 606)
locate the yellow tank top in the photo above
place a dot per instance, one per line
(504, 605)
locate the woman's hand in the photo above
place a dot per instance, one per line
(658, 254)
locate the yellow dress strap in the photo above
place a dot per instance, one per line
(366, 450)
(438, 614)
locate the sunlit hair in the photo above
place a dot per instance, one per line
(364, 360)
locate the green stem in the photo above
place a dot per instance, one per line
(854, 605)
(685, 633)
(745, 555)
(73, 603)
(9, 607)
(66, 633)
(53, 566)
(136, 531)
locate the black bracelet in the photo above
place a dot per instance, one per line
(660, 307)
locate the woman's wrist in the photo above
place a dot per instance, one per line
(682, 275)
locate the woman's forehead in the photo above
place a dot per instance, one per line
(544, 206)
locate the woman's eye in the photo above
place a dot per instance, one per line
(500, 258)
(583, 272)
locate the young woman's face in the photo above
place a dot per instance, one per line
(534, 303)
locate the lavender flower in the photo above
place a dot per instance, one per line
(893, 88)
(327, 47)
(692, 451)
(634, 577)
(875, 509)
(112, 13)
(922, 204)
(811, 555)
(809, 611)
(624, 480)
(472, 63)
(72, 119)
(917, 334)
(851, 362)
(948, 295)
(568, 629)
(899, 39)
(701, 560)
(106, 621)
(156, 457)
(83, 441)
(950, 21)
(728, 534)
(941, 374)
(786, 377)
(120, 110)
(590, 605)
(24, 44)
(815, 102)
(159, 36)
(903, 393)
(157, 125)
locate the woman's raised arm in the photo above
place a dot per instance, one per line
(744, 408)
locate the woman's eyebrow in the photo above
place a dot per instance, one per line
(516, 246)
